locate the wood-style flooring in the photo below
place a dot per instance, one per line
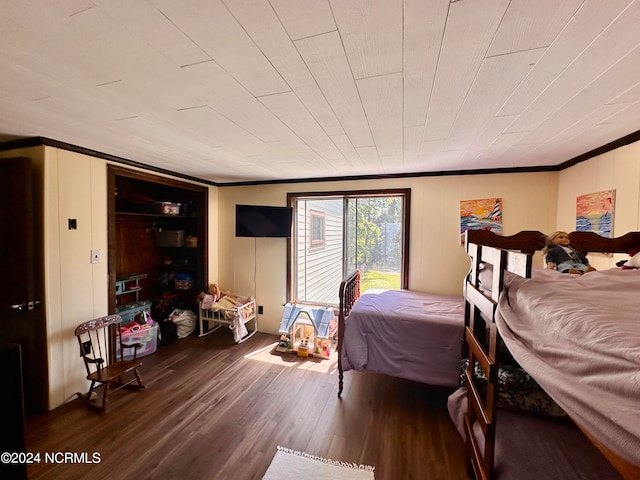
(213, 409)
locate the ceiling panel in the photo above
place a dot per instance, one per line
(382, 100)
(615, 42)
(594, 101)
(349, 153)
(424, 24)
(327, 61)
(588, 23)
(527, 25)
(263, 26)
(288, 108)
(304, 18)
(470, 28)
(371, 32)
(143, 19)
(497, 76)
(214, 29)
(251, 90)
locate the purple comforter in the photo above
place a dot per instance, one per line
(406, 334)
(579, 337)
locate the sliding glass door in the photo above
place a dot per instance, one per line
(335, 234)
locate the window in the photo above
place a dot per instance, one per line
(317, 228)
(339, 232)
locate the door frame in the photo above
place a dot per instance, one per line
(24, 200)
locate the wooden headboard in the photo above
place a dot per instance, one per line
(592, 242)
(526, 241)
(530, 241)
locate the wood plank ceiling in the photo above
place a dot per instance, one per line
(250, 90)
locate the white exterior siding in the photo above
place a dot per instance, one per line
(319, 270)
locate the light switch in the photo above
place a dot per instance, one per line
(96, 256)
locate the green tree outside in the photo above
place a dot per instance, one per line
(378, 237)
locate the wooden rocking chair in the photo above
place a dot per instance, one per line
(105, 364)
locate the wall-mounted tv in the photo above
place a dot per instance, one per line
(263, 221)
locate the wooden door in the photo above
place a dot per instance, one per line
(22, 318)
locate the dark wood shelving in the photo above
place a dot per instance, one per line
(176, 266)
(132, 247)
(158, 215)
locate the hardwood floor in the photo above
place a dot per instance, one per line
(213, 409)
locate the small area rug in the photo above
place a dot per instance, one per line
(291, 465)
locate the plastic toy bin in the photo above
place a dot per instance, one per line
(132, 312)
(146, 335)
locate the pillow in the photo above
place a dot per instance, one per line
(516, 390)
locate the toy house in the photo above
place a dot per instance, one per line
(307, 331)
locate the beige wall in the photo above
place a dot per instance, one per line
(437, 261)
(618, 170)
(75, 188)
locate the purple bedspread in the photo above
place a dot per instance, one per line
(406, 334)
(579, 337)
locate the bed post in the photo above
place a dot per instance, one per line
(348, 293)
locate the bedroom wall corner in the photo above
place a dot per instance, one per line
(618, 169)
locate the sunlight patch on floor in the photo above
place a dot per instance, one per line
(269, 354)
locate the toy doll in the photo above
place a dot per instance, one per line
(562, 257)
(212, 296)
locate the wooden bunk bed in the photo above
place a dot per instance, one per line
(401, 333)
(525, 317)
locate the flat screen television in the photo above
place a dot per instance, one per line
(263, 221)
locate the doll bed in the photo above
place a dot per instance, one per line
(401, 333)
(233, 311)
(577, 336)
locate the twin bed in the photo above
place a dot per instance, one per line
(575, 338)
(401, 333)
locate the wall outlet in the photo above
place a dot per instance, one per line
(96, 256)
(260, 309)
